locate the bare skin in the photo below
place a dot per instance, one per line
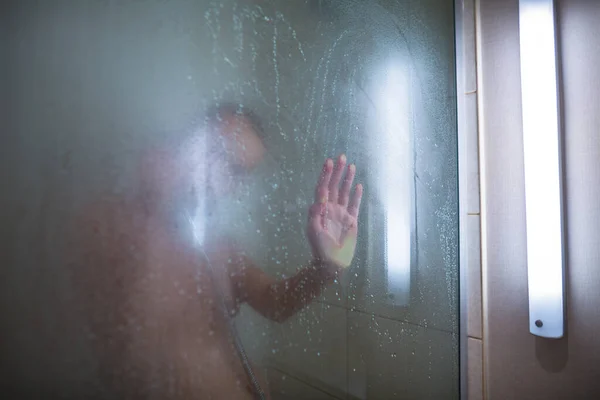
(152, 302)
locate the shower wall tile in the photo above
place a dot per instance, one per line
(285, 387)
(312, 345)
(472, 152)
(475, 369)
(469, 47)
(391, 359)
(474, 321)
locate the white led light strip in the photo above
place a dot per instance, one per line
(541, 143)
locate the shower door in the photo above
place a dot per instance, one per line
(93, 84)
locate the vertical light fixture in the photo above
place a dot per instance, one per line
(541, 144)
(397, 180)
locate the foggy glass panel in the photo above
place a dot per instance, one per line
(163, 231)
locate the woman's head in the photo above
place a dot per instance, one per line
(235, 147)
(215, 157)
(235, 133)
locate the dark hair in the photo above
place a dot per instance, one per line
(218, 113)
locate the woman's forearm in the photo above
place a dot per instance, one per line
(288, 296)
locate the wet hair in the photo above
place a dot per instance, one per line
(216, 114)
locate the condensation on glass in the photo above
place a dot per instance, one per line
(138, 235)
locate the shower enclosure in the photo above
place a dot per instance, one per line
(93, 84)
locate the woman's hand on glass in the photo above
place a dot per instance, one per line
(333, 218)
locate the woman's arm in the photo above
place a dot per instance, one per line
(280, 299)
(331, 230)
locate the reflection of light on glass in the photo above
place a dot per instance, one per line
(194, 157)
(396, 185)
(542, 167)
(198, 223)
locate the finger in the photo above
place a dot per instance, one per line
(354, 207)
(344, 196)
(334, 183)
(322, 189)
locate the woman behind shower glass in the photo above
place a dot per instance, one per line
(152, 275)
